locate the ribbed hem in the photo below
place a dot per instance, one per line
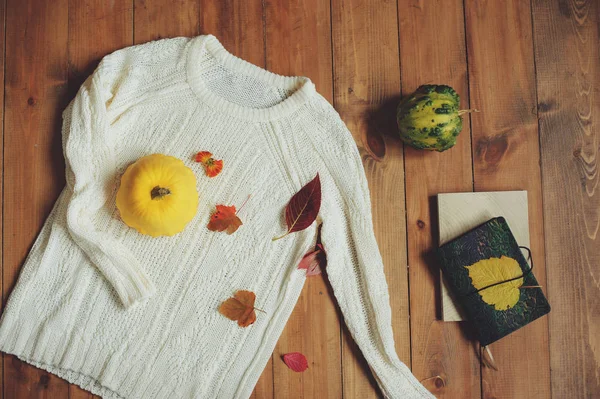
(109, 373)
(85, 363)
(302, 87)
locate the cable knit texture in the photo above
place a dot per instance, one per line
(125, 315)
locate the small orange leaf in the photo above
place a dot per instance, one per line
(224, 219)
(203, 156)
(240, 308)
(212, 166)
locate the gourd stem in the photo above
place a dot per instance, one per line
(159, 192)
(467, 111)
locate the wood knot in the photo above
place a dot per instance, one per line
(31, 101)
(577, 152)
(44, 381)
(420, 224)
(491, 150)
(545, 106)
(350, 90)
(16, 363)
(564, 8)
(439, 383)
(375, 144)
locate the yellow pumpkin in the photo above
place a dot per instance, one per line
(157, 195)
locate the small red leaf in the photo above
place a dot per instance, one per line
(303, 208)
(310, 262)
(315, 267)
(320, 264)
(296, 361)
(314, 261)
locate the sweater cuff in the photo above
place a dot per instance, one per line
(133, 286)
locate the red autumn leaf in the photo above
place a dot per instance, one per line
(310, 262)
(224, 219)
(212, 166)
(303, 208)
(314, 261)
(296, 361)
(240, 308)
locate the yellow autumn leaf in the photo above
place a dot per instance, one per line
(493, 270)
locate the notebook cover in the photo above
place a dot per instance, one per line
(461, 212)
(492, 239)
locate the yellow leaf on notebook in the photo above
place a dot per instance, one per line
(491, 271)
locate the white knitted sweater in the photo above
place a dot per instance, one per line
(70, 311)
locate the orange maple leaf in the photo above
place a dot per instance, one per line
(212, 166)
(224, 219)
(240, 308)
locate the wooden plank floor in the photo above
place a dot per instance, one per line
(531, 67)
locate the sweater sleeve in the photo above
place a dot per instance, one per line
(88, 145)
(354, 264)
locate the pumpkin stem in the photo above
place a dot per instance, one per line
(467, 111)
(159, 192)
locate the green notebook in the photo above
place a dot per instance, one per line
(486, 270)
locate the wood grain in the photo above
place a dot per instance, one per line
(367, 84)
(568, 87)
(298, 37)
(506, 157)
(2, 59)
(86, 49)
(239, 26)
(432, 44)
(157, 19)
(35, 93)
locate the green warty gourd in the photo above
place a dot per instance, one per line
(430, 118)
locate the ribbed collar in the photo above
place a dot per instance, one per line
(302, 88)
